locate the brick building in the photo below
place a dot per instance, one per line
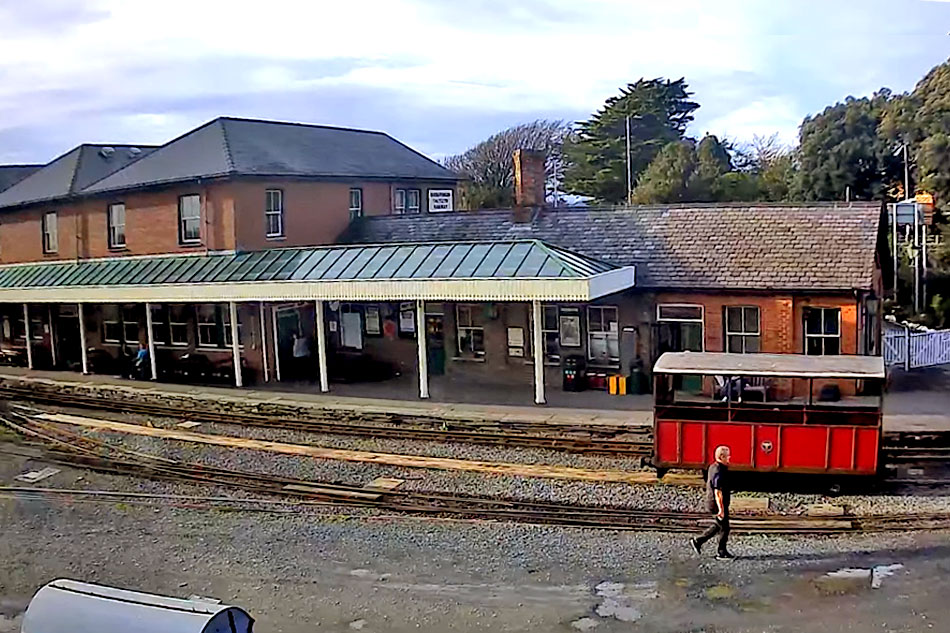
(290, 251)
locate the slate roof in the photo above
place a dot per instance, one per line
(820, 247)
(71, 173)
(228, 146)
(12, 174)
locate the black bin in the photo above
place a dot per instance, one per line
(574, 372)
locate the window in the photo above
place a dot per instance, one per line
(208, 326)
(178, 325)
(680, 327)
(742, 329)
(111, 325)
(274, 212)
(550, 334)
(822, 331)
(130, 325)
(470, 327)
(356, 203)
(603, 335)
(226, 324)
(413, 200)
(116, 225)
(189, 219)
(50, 235)
(399, 202)
(160, 325)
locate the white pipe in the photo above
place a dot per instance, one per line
(321, 345)
(273, 315)
(29, 348)
(538, 353)
(52, 336)
(82, 339)
(263, 329)
(235, 345)
(149, 328)
(423, 356)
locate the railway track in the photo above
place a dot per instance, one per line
(589, 439)
(65, 447)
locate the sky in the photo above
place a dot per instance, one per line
(440, 75)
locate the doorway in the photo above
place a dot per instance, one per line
(68, 341)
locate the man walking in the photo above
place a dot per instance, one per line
(718, 492)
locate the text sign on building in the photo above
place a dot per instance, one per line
(440, 200)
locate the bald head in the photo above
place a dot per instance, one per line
(722, 454)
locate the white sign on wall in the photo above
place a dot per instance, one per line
(440, 200)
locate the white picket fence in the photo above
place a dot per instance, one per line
(916, 349)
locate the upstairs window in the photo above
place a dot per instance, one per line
(399, 202)
(189, 219)
(356, 203)
(274, 212)
(413, 200)
(117, 225)
(50, 234)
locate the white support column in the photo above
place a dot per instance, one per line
(28, 334)
(321, 345)
(235, 345)
(273, 316)
(150, 331)
(538, 351)
(82, 338)
(52, 336)
(263, 330)
(423, 354)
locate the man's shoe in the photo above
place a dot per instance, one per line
(725, 556)
(696, 546)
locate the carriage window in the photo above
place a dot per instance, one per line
(822, 331)
(742, 329)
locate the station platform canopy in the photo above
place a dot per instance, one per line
(520, 270)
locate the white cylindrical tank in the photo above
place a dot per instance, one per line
(69, 606)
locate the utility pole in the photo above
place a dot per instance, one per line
(629, 172)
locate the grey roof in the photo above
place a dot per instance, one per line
(753, 247)
(71, 173)
(12, 174)
(787, 365)
(524, 259)
(228, 146)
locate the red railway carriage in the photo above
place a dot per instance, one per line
(787, 413)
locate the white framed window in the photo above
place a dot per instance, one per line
(399, 201)
(178, 325)
(356, 203)
(681, 327)
(189, 219)
(50, 233)
(160, 325)
(226, 324)
(208, 326)
(470, 329)
(603, 335)
(413, 200)
(111, 324)
(551, 334)
(742, 329)
(130, 325)
(117, 225)
(822, 331)
(274, 212)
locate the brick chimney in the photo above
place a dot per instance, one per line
(529, 183)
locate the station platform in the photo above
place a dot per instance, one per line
(916, 401)
(640, 413)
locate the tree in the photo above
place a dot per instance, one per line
(841, 149)
(772, 166)
(489, 168)
(712, 163)
(667, 178)
(659, 112)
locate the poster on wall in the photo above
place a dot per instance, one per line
(407, 318)
(372, 320)
(440, 200)
(352, 330)
(570, 330)
(516, 342)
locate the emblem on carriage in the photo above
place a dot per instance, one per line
(766, 446)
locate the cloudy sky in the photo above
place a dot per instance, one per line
(438, 74)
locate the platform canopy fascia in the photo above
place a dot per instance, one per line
(522, 270)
